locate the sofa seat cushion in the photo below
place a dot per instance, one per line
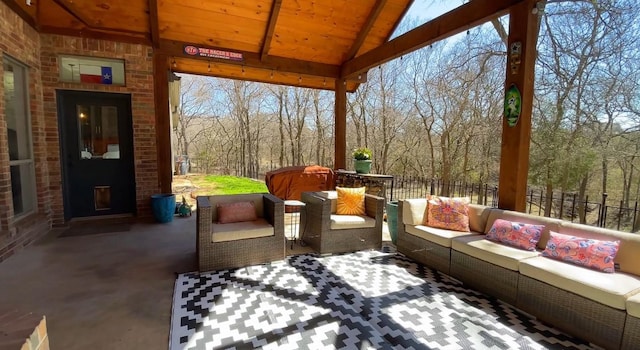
(439, 236)
(241, 230)
(495, 253)
(633, 305)
(342, 222)
(611, 289)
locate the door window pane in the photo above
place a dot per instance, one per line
(19, 137)
(98, 128)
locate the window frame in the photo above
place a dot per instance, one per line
(24, 90)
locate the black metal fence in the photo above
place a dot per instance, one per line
(562, 205)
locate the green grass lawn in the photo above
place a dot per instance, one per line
(225, 184)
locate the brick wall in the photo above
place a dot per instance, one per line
(139, 83)
(40, 53)
(21, 42)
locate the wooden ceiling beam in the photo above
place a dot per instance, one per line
(364, 32)
(271, 27)
(13, 5)
(252, 59)
(154, 25)
(453, 22)
(88, 33)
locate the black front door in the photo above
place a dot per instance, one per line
(96, 142)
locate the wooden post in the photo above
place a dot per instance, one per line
(340, 124)
(514, 159)
(163, 128)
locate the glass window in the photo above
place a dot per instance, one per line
(91, 70)
(16, 106)
(98, 127)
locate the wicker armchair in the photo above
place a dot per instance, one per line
(232, 245)
(319, 216)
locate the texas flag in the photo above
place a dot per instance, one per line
(95, 74)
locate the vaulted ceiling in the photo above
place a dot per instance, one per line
(307, 43)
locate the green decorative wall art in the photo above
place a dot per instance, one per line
(512, 105)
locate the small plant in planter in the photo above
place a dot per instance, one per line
(362, 160)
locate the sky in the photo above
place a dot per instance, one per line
(428, 9)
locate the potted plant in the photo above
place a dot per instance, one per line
(362, 160)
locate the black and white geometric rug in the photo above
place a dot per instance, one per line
(362, 300)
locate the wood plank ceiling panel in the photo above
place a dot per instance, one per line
(241, 28)
(128, 16)
(52, 15)
(321, 31)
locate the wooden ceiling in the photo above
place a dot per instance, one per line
(307, 43)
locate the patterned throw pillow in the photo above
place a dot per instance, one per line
(350, 201)
(591, 253)
(447, 213)
(236, 212)
(515, 234)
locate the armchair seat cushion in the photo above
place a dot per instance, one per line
(241, 230)
(341, 222)
(611, 289)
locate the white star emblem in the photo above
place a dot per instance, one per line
(107, 76)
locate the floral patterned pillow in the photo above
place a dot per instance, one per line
(591, 253)
(515, 234)
(447, 213)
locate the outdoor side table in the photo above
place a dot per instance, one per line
(294, 207)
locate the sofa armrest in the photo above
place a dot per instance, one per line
(204, 213)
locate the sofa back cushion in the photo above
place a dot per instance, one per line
(413, 211)
(478, 215)
(549, 223)
(256, 198)
(628, 257)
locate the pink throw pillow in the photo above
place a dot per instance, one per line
(591, 253)
(515, 234)
(236, 212)
(447, 213)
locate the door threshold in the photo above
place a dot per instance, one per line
(111, 218)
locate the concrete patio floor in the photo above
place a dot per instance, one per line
(104, 291)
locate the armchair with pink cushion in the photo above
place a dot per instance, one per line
(239, 230)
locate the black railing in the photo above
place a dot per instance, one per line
(562, 205)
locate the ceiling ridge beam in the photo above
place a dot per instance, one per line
(271, 27)
(154, 26)
(453, 22)
(252, 59)
(366, 28)
(94, 34)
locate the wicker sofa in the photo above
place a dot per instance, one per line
(602, 308)
(329, 233)
(238, 244)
